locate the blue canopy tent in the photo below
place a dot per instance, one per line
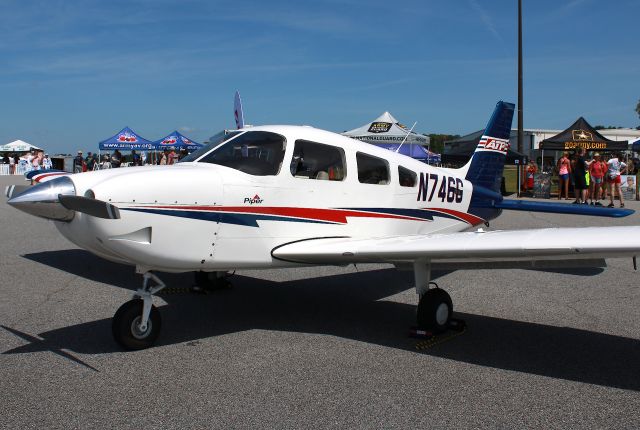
(635, 146)
(177, 141)
(418, 152)
(126, 140)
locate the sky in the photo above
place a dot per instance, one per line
(73, 73)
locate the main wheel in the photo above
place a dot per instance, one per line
(434, 310)
(125, 326)
(206, 282)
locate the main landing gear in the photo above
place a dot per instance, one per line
(435, 307)
(206, 282)
(136, 324)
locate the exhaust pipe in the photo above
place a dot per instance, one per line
(42, 200)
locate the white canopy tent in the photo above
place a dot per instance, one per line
(18, 146)
(386, 130)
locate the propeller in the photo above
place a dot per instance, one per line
(14, 190)
(89, 206)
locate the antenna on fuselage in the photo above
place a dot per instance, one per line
(405, 138)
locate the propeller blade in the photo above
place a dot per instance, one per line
(14, 190)
(93, 207)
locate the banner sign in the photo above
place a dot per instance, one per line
(380, 127)
(628, 186)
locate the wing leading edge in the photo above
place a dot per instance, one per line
(512, 245)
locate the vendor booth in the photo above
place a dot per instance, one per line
(581, 135)
(126, 140)
(18, 146)
(387, 132)
(175, 140)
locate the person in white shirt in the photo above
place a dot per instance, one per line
(615, 168)
(46, 162)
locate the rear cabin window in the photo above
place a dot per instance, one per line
(372, 170)
(313, 160)
(258, 153)
(407, 178)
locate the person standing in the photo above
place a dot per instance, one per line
(172, 157)
(579, 177)
(597, 169)
(13, 160)
(135, 158)
(532, 169)
(615, 168)
(116, 158)
(46, 162)
(89, 161)
(78, 161)
(564, 171)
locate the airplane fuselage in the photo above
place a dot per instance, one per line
(203, 216)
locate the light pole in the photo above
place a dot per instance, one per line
(520, 120)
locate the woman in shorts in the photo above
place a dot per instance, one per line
(564, 171)
(597, 169)
(616, 167)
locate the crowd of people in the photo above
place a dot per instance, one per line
(33, 160)
(39, 160)
(592, 179)
(115, 160)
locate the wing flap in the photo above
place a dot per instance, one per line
(514, 245)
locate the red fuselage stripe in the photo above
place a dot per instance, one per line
(330, 215)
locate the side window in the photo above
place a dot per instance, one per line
(258, 153)
(407, 178)
(313, 160)
(372, 170)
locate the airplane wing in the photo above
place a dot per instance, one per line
(507, 245)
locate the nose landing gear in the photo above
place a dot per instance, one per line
(136, 324)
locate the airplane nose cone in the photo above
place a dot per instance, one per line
(42, 200)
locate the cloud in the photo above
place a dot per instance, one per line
(486, 20)
(565, 9)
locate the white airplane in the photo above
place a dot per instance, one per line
(290, 196)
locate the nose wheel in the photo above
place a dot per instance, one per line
(136, 324)
(127, 327)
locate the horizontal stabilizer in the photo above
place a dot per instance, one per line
(93, 207)
(563, 208)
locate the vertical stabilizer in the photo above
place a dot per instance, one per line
(487, 163)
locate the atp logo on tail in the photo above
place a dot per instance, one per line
(493, 144)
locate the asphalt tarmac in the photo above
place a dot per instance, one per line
(316, 347)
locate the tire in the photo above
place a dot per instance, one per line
(434, 310)
(209, 281)
(125, 320)
(202, 279)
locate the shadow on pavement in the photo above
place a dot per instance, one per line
(347, 306)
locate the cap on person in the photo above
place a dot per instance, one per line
(597, 154)
(79, 152)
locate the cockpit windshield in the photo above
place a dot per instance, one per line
(213, 142)
(257, 153)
